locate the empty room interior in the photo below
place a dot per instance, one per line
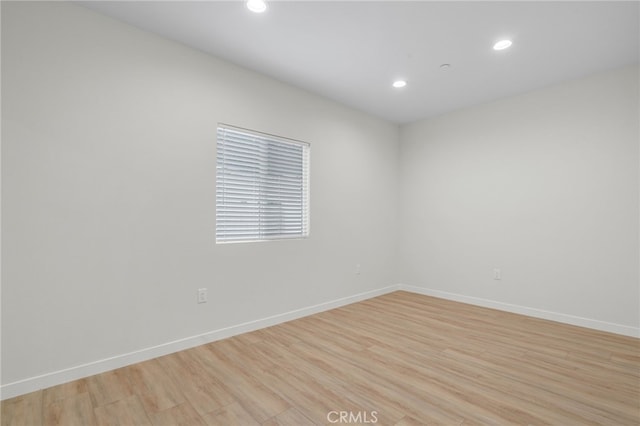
(320, 212)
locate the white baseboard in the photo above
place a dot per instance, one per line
(523, 310)
(32, 384)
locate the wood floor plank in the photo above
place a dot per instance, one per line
(202, 390)
(410, 359)
(232, 414)
(359, 384)
(253, 395)
(313, 400)
(109, 387)
(291, 417)
(154, 386)
(179, 415)
(409, 421)
(64, 391)
(124, 412)
(23, 410)
(75, 410)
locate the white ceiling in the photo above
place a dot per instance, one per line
(351, 51)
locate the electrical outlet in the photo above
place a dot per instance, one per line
(497, 274)
(202, 295)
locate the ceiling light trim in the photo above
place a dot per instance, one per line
(256, 6)
(502, 44)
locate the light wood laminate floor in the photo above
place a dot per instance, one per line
(398, 359)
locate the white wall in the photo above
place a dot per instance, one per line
(543, 186)
(108, 173)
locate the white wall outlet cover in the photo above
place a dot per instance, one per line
(202, 295)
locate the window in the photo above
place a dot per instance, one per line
(262, 186)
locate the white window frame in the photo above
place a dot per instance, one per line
(262, 186)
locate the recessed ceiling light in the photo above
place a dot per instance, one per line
(445, 66)
(399, 83)
(502, 44)
(257, 6)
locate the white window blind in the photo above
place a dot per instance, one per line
(262, 186)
